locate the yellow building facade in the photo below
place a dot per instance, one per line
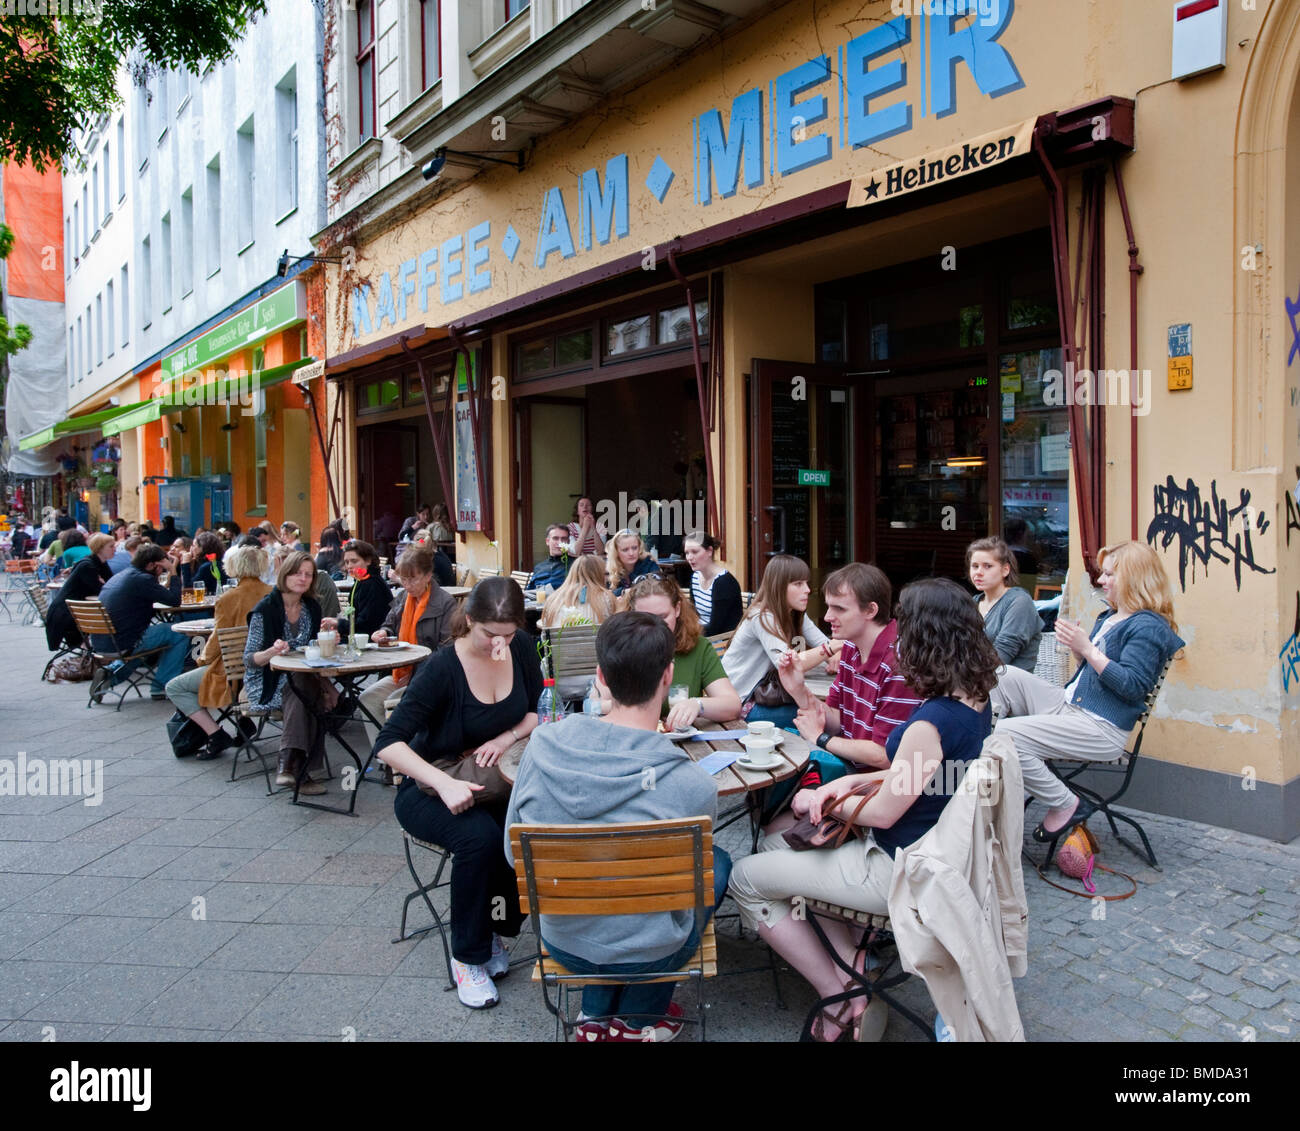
(866, 281)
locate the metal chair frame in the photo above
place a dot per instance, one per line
(422, 891)
(39, 598)
(641, 867)
(92, 619)
(231, 642)
(1123, 768)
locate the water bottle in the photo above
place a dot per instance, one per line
(550, 708)
(591, 704)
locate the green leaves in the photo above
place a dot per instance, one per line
(58, 76)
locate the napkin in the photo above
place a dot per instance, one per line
(718, 761)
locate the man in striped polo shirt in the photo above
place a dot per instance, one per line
(868, 698)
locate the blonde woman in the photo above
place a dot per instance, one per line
(627, 561)
(582, 599)
(1091, 717)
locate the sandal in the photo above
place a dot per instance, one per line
(1082, 812)
(841, 1018)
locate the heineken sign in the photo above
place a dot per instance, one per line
(948, 164)
(277, 310)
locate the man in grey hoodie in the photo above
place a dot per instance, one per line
(617, 769)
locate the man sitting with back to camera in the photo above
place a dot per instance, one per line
(593, 770)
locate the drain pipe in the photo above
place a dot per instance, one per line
(1134, 270)
(705, 404)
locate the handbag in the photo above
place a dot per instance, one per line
(185, 735)
(1077, 860)
(831, 831)
(770, 691)
(466, 769)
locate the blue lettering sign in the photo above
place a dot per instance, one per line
(451, 292)
(428, 276)
(975, 44)
(601, 210)
(863, 83)
(477, 257)
(716, 149)
(405, 286)
(384, 306)
(361, 310)
(793, 154)
(553, 233)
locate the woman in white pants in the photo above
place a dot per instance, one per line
(1089, 719)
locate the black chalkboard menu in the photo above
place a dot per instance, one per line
(789, 435)
(796, 503)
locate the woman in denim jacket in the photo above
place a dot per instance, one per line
(1091, 717)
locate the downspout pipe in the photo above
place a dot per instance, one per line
(1134, 270)
(702, 394)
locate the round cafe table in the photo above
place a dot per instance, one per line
(349, 675)
(198, 631)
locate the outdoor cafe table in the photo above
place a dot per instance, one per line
(794, 752)
(166, 612)
(197, 630)
(349, 676)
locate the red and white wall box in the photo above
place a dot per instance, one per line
(1200, 37)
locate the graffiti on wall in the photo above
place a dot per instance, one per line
(1206, 529)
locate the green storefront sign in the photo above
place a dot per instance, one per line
(274, 312)
(810, 478)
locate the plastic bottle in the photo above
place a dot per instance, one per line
(550, 707)
(591, 704)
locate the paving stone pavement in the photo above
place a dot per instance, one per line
(185, 907)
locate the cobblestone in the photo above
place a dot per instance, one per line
(1263, 976)
(1219, 960)
(1258, 998)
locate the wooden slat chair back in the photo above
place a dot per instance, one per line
(746, 599)
(231, 641)
(462, 575)
(617, 869)
(720, 641)
(520, 577)
(92, 619)
(1069, 769)
(485, 572)
(39, 598)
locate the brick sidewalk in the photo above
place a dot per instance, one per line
(99, 939)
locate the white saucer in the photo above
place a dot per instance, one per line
(683, 735)
(759, 766)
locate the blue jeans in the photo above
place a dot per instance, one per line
(648, 999)
(169, 664)
(782, 716)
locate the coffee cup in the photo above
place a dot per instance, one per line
(759, 752)
(761, 728)
(327, 642)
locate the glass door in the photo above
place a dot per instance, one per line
(932, 473)
(804, 469)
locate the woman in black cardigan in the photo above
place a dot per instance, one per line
(370, 597)
(85, 581)
(476, 696)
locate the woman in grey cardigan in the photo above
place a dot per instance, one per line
(1091, 717)
(1010, 620)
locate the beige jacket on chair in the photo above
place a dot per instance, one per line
(957, 901)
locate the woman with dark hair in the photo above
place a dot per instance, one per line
(330, 558)
(370, 597)
(201, 565)
(475, 698)
(74, 549)
(945, 656)
(586, 535)
(775, 624)
(86, 580)
(287, 618)
(715, 593)
(1010, 619)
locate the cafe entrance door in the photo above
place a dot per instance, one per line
(805, 465)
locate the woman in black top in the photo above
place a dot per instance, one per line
(85, 581)
(370, 597)
(477, 696)
(330, 558)
(201, 564)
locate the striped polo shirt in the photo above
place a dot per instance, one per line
(872, 698)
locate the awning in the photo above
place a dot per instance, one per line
(224, 390)
(74, 426)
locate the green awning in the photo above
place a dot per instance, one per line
(220, 392)
(73, 426)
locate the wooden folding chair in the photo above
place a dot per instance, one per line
(231, 642)
(572, 653)
(621, 869)
(746, 599)
(485, 572)
(520, 577)
(720, 640)
(92, 620)
(1121, 768)
(39, 598)
(14, 585)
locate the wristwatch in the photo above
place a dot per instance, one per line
(823, 739)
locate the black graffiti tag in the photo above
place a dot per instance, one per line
(1204, 529)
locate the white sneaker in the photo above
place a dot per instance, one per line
(498, 966)
(473, 985)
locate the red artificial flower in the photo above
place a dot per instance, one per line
(212, 557)
(361, 573)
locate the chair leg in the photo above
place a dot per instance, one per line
(422, 891)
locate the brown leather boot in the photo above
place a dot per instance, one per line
(287, 767)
